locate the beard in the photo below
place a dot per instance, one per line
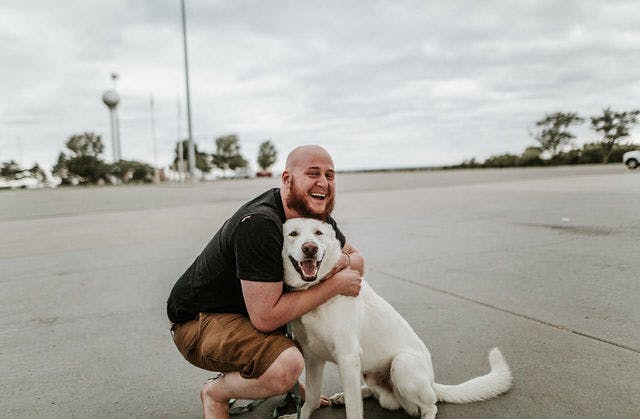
(297, 202)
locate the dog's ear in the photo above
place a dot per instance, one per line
(333, 251)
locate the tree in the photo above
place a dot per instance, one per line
(87, 144)
(203, 162)
(11, 170)
(566, 157)
(227, 155)
(83, 163)
(554, 131)
(267, 155)
(60, 169)
(88, 169)
(38, 174)
(613, 126)
(501, 160)
(531, 157)
(132, 171)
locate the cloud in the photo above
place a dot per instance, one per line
(383, 83)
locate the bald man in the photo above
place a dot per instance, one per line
(228, 309)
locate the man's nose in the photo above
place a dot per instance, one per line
(309, 249)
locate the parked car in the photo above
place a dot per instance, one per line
(631, 159)
(264, 173)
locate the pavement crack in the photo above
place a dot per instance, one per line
(510, 312)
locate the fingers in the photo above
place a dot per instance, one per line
(347, 282)
(351, 283)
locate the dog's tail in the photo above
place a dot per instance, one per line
(487, 386)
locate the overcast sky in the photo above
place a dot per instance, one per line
(378, 83)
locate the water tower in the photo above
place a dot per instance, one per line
(111, 99)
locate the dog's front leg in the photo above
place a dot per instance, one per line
(314, 368)
(350, 373)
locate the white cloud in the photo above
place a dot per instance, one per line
(382, 83)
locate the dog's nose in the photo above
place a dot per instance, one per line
(309, 249)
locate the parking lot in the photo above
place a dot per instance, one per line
(543, 263)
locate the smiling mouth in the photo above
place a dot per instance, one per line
(320, 196)
(307, 268)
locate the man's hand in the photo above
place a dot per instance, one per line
(346, 275)
(347, 282)
(269, 308)
(343, 263)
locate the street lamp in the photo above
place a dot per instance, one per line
(190, 146)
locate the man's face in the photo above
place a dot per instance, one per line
(312, 189)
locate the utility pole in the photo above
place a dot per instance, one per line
(180, 147)
(190, 145)
(156, 170)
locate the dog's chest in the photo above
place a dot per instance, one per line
(331, 327)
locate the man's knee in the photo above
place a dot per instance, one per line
(282, 375)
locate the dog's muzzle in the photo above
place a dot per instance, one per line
(307, 268)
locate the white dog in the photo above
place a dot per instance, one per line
(367, 338)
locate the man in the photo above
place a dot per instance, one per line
(227, 307)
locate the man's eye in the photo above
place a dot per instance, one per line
(293, 234)
(318, 233)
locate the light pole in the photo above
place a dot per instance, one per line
(190, 146)
(181, 174)
(111, 99)
(156, 170)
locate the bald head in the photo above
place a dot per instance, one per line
(308, 183)
(301, 156)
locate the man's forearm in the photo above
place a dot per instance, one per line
(356, 262)
(294, 304)
(269, 308)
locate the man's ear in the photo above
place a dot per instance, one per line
(286, 178)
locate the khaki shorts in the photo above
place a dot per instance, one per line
(227, 342)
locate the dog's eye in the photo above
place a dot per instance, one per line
(318, 233)
(293, 234)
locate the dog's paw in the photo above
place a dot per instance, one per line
(366, 392)
(389, 402)
(291, 416)
(337, 399)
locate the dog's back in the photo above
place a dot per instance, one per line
(367, 337)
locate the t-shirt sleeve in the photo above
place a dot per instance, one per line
(258, 249)
(341, 238)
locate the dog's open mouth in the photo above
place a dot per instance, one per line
(307, 268)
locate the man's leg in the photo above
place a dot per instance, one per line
(279, 378)
(256, 365)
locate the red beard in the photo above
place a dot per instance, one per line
(297, 202)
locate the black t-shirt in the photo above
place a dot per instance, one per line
(248, 246)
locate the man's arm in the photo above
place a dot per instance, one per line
(351, 258)
(269, 308)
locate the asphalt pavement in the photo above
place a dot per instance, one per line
(543, 263)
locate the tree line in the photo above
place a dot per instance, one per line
(82, 162)
(555, 141)
(226, 157)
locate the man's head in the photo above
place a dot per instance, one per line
(308, 183)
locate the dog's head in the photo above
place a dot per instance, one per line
(309, 252)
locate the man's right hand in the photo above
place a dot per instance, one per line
(347, 282)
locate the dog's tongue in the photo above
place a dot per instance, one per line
(308, 267)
